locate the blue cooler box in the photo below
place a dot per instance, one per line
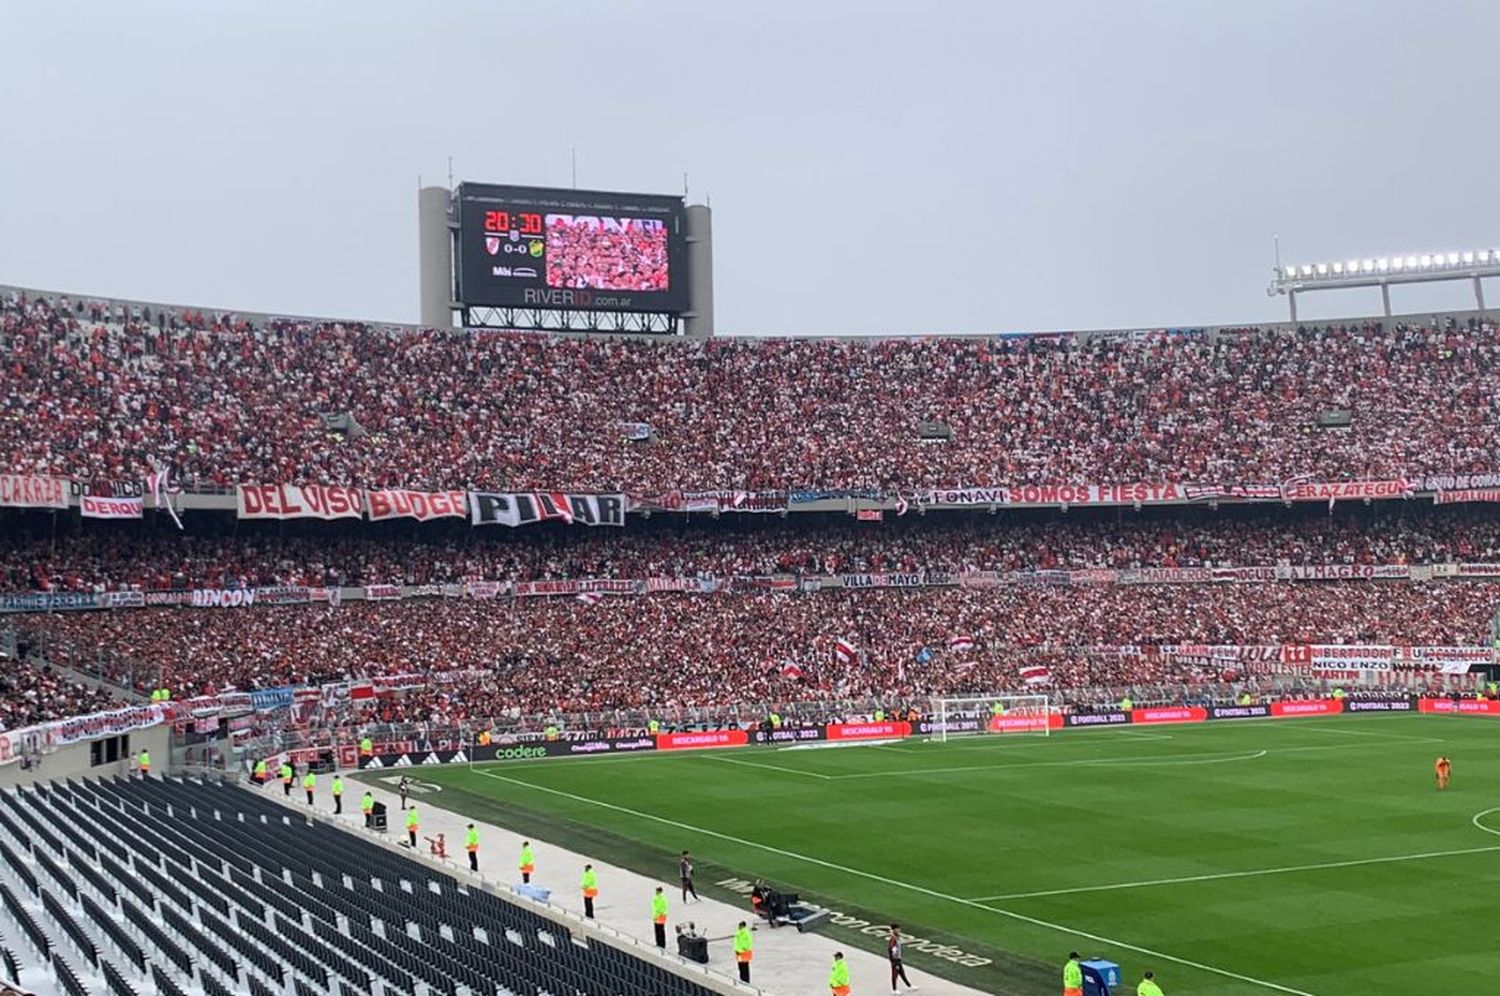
(1100, 978)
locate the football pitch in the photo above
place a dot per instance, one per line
(1309, 857)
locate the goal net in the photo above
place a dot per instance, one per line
(1003, 715)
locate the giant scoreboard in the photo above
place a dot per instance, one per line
(570, 250)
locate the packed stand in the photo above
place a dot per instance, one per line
(97, 392)
(253, 555)
(36, 693)
(537, 655)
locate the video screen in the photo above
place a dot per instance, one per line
(605, 253)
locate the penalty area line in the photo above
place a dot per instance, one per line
(907, 886)
(1250, 873)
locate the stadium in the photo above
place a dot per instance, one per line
(577, 638)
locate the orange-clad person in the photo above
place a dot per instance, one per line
(1443, 768)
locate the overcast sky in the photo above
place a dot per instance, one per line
(872, 166)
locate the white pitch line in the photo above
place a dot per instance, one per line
(768, 767)
(1368, 733)
(896, 883)
(1244, 874)
(1480, 816)
(1151, 760)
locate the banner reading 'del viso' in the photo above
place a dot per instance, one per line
(506, 508)
(291, 501)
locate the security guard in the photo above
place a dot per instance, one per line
(1127, 704)
(744, 946)
(838, 979)
(551, 731)
(145, 762)
(471, 844)
(653, 727)
(527, 864)
(590, 886)
(286, 779)
(338, 794)
(659, 917)
(366, 748)
(1148, 986)
(412, 826)
(262, 773)
(1072, 976)
(309, 782)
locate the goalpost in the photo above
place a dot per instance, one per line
(1002, 715)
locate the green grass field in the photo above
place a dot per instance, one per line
(1307, 856)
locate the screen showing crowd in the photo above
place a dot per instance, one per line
(604, 253)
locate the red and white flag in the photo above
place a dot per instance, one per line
(791, 670)
(958, 644)
(845, 652)
(1036, 674)
(870, 514)
(591, 597)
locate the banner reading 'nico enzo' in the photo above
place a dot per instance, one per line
(504, 508)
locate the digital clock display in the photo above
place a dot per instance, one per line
(570, 249)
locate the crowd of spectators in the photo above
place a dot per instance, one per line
(36, 693)
(99, 392)
(560, 654)
(116, 557)
(607, 253)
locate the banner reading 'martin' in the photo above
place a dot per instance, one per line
(505, 508)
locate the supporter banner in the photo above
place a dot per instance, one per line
(1463, 707)
(124, 599)
(49, 601)
(706, 738)
(503, 508)
(485, 589)
(97, 507)
(1347, 490)
(1065, 494)
(382, 592)
(808, 496)
(529, 589)
(1344, 572)
(1479, 570)
(50, 736)
(31, 491)
(419, 505)
(916, 579)
(290, 501)
(1461, 482)
(220, 598)
(271, 699)
(105, 488)
(283, 595)
(735, 501)
(1465, 495)
(1445, 660)
(1165, 575)
(1356, 656)
(636, 432)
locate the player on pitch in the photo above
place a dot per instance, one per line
(1443, 768)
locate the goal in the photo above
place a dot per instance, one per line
(1005, 715)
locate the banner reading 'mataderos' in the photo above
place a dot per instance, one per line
(508, 508)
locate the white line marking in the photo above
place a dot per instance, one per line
(1368, 733)
(1245, 874)
(1480, 816)
(1150, 760)
(974, 904)
(1000, 742)
(769, 767)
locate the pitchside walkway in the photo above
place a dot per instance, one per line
(786, 963)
